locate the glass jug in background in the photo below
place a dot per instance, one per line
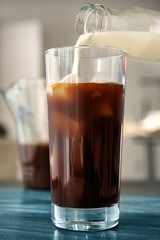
(136, 30)
(27, 102)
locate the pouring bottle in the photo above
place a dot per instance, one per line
(135, 30)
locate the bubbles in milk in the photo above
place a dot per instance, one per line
(100, 77)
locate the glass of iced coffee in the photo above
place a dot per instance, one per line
(86, 89)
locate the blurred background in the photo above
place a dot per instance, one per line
(27, 29)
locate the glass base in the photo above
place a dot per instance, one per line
(93, 219)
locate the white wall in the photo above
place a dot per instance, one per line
(21, 49)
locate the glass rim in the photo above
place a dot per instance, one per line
(117, 51)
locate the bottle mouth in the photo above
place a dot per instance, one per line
(91, 18)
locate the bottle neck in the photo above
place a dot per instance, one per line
(91, 18)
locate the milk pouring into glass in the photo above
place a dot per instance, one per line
(86, 88)
(135, 30)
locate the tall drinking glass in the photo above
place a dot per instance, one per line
(85, 88)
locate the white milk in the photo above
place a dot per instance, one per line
(139, 45)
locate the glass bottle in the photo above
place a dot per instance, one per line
(136, 30)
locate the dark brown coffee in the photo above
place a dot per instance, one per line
(85, 128)
(35, 165)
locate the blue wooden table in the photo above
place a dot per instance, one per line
(25, 215)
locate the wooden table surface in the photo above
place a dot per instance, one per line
(25, 215)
